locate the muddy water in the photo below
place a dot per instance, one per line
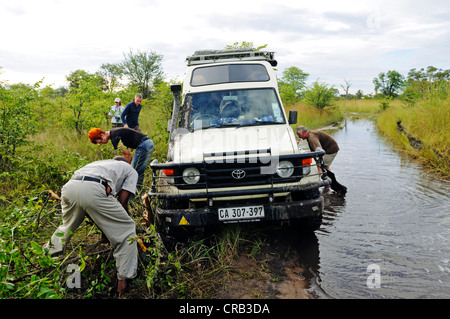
(390, 236)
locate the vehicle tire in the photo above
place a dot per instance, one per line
(308, 194)
(313, 223)
(307, 224)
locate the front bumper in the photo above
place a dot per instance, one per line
(234, 193)
(275, 211)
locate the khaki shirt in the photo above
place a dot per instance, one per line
(118, 174)
(322, 140)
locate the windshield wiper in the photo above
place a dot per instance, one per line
(258, 122)
(205, 127)
(214, 126)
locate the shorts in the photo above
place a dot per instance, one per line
(329, 158)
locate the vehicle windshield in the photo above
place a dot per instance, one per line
(232, 108)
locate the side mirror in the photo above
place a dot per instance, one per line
(175, 88)
(292, 117)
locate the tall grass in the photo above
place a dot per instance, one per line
(313, 117)
(427, 122)
(368, 107)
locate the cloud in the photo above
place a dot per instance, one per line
(15, 10)
(330, 40)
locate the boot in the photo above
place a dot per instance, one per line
(341, 190)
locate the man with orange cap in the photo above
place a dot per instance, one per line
(131, 139)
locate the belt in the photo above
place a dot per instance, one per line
(91, 179)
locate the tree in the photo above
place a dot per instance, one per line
(16, 116)
(142, 69)
(111, 73)
(77, 76)
(294, 78)
(287, 94)
(424, 82)
(84, 92)
(320, 95)
(359, 94)
(432, 74)
(346, 87)
(389, 83)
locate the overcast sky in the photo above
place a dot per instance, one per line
(331, 40)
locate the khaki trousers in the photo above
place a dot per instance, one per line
(79, 198)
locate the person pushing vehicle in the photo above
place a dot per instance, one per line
(321, 140)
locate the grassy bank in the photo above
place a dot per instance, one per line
(370, 108)
(421, 131)
(313, 117)
(422, 134)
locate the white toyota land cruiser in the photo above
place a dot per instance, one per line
(232, 155)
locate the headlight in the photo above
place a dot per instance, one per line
(285, 169)
(306, 163)
(191, 175)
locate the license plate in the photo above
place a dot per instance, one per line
(237, 213)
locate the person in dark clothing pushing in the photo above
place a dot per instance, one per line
(130, 115)
(131, 139)
(320, 140)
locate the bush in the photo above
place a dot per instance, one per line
(16, 117)
(320, 95)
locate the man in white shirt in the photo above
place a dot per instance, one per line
(92, 191)
(115, 113)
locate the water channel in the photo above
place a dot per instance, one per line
(390, 236)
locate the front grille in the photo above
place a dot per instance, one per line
(235, 169)
(236, 173)
(239, 169)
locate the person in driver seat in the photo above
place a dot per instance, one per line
(230, 108)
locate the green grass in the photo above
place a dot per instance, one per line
(313, 117)
(426, 121)
(370, 107)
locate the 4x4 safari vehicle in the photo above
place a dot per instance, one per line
(232, 156)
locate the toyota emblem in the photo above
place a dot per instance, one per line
(238, 174)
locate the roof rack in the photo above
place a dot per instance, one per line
(211, 56)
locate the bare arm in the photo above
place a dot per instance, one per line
(123, 199)
(126, 153)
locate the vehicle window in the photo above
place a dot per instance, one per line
(229, 73)
(232, 108)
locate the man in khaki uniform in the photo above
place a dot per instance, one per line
(92, 191)
(321, 140)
